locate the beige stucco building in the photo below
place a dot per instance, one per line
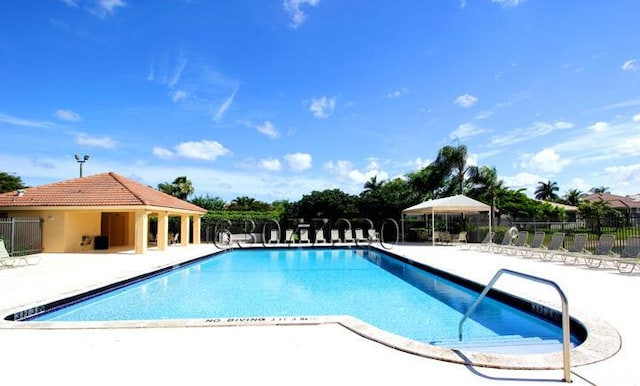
(103, 211)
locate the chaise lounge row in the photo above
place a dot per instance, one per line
(602, 256)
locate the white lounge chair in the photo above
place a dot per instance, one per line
(604, 249)
(578, 246)
(506, 241)
(484, 245)
(372, 235)
(518, 243)
(5, 259)
(629, 258)
(275, 236)
(348, 235)
(288, 236)
(320, 236)
(360, 235)
(547, 252)
(335, 236)
(537, 242)
(304, 235)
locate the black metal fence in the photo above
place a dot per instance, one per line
(21, 235)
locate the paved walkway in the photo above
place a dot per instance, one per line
(285, 355)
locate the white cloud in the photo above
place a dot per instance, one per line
(580, 184)
(225, 106)
(484, 115)
(345, 171)
(523, 180)
(465, 100)
(322, 107)
(629, 147)
(398, 93)
(636, 118)
(162, 152)
(546, 161)
(15, 121)
(630, 65)
(536, 130)
(104, 142)
(68, 115)
(292, 7)
(268, 129)
(600, 127)
(177, 73)
(271, 164)
(466, 130)
(624, 176)
(178, 95)
(508, 3)
(298, 161)
(203, 150)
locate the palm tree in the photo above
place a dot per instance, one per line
(181, 188)
(573, 196)
(485, 185)
(373, 185)
(546, 191)
(599, 189)
(452, 162)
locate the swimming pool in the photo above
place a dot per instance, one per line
(377, 288)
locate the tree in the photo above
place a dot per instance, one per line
(372, 185)
(485, 185)
(546, 191)
(9, 183)
(599, 189)
(573, 196)
(181, 187)
(246, 203)
(452, 163)
(209, 203)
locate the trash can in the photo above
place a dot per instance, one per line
(101, 242)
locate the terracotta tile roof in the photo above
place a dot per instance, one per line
(106, 189)
(614, 201)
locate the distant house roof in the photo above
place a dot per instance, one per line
(614, 201)
(567, 208)
(99, 190)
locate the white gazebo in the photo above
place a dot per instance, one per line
(452, 204)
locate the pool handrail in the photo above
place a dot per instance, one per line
(566, 325)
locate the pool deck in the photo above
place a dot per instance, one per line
(321, 354)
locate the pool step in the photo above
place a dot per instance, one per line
(511, 344)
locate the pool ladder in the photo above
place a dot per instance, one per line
(566, 356)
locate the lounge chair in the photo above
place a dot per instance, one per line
(360, 235)
(288, 236)
(603, 248)
(320, 236)
(348, 235)
(629, 258)
(484, 245)
(372, 235)
(175, 239)
(507, 239)
(5, 259)
(578, 246)
(335, 236)
(275, 236)
(528, 250)
(547, 252)
(461, 238)
(516, 244)
(304, 235)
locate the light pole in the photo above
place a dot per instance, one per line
(81, 161)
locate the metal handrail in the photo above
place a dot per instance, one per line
(566, 356)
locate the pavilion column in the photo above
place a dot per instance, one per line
(184, 230)
(197, 224)
(163, 230)
(141, 231)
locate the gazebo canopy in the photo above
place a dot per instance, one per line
(452, 204)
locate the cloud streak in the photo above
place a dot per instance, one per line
(225, 106)
(294, 10)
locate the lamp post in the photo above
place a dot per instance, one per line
(81, 161)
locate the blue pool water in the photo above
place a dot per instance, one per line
(367, 284)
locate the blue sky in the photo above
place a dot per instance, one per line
(273, 99)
